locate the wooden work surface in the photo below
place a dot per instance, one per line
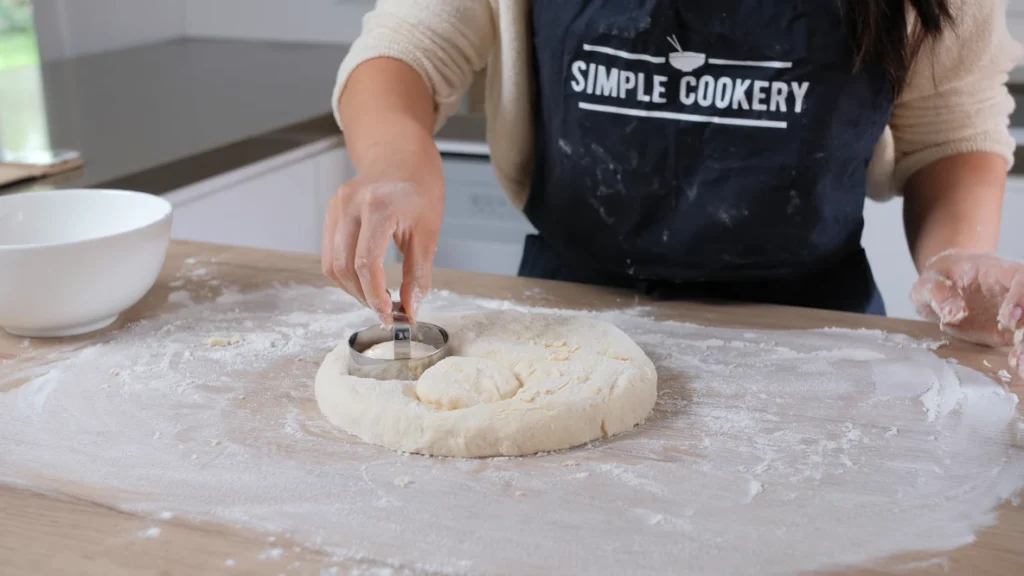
(62, 534)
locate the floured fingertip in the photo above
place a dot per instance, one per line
(416, 296)
(951, 312)
(1010, 321)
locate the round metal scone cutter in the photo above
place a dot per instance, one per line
(403, 333)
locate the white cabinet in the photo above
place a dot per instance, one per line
(274, 211)
(1011, 242)
(885, 242)
(482, 231)
(276, 204)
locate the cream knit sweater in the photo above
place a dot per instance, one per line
(955, 101)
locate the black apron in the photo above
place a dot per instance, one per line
(704, 148)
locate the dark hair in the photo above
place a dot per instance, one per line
(884, 38)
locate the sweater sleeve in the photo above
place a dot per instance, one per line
(956, 100)
(445, 41)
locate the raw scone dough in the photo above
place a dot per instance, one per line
(462, 381)
(386, 350)
(516, 384)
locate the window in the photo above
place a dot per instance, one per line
(23, 123)
(18, 47)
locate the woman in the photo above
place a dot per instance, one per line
(691, 148)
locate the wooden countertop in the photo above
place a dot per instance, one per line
(62, 533)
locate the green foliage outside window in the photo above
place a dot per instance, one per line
(18, 45)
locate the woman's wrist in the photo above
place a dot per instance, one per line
(955, 204)
(412, 159)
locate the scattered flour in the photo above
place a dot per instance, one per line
(934, 563)
(229, 562)
(789, 451)
(272, 554)
(753, 489)
(180, 298)
(150, 532)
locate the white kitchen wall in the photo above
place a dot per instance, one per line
(328, 21)
(1015, 18)
(1015, 22)
(68, 28)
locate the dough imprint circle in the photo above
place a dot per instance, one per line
(459, 382)
(515, 384)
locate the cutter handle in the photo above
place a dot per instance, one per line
(401, 331)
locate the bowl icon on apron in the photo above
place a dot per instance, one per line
(685, 61)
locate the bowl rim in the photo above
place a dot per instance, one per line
(168, 210)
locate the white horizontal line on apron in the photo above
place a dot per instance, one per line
(762, 64)
(626, 55)
(683, 117)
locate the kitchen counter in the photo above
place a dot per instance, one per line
(160, 117)
(76, 529)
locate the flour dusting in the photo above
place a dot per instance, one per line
(180, 298)
(784, 451)
(272, 554)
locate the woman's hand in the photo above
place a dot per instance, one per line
(975, 297)
(388, 113)
(361, 218)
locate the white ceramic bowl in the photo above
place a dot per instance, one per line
(72, 260)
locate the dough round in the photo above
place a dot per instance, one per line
(462, 381)
(386, 350)
(576, 380)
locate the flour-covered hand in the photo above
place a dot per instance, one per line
(362, 218)
(975, 297)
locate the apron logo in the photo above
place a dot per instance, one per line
(706, 91)
(685, 61)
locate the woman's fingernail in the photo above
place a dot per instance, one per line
(1015, 315)
(952, 312)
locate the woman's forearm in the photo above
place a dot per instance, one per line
(388, 114)
(955, 203)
